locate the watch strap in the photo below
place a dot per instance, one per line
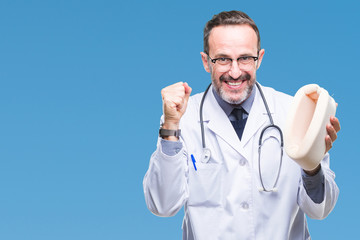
(169, 132)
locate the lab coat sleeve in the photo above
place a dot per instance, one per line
(314, 185)
(165, 182)
(331, 193)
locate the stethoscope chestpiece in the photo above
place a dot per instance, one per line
(206, 155)
(274, 189)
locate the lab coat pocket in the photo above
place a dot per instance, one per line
(205, 185)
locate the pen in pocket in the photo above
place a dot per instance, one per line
(194, 161)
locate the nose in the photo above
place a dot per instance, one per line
(235, 71)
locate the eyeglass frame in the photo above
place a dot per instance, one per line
(231, 60)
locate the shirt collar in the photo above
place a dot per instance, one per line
(227, 107)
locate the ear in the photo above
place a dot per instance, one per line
(204, 58)
(261, 55)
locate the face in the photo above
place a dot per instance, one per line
(233, 41)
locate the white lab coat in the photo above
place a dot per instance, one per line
(221, 199)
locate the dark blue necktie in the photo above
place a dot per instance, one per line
(240, 121)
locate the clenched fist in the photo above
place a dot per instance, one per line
(175, 98)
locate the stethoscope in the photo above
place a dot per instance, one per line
(207, 153)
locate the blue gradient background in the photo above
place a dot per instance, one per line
(80, 104)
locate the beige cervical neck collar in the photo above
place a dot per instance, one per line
(305, 129)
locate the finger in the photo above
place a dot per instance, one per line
(328, 143)
(175, 99)
(331, 132)
(175, 90)
(172, 97)
(180, 102)
(335, 123)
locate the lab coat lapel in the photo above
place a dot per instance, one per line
(257, 118)
(219, 123)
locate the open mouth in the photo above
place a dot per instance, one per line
(234, 83)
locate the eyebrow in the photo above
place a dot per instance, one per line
(220, 55)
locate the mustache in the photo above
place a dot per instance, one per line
(242, 77)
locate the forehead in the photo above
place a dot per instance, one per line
(233, 40)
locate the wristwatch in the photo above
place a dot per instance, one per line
(169, 132)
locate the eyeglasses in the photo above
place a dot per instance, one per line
(224, 64)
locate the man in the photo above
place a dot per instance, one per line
(222, 190)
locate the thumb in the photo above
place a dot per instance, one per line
(187, 91)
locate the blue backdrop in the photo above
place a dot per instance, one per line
(80, 104)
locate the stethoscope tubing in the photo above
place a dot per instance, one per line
(272, 125)
(201, 117)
